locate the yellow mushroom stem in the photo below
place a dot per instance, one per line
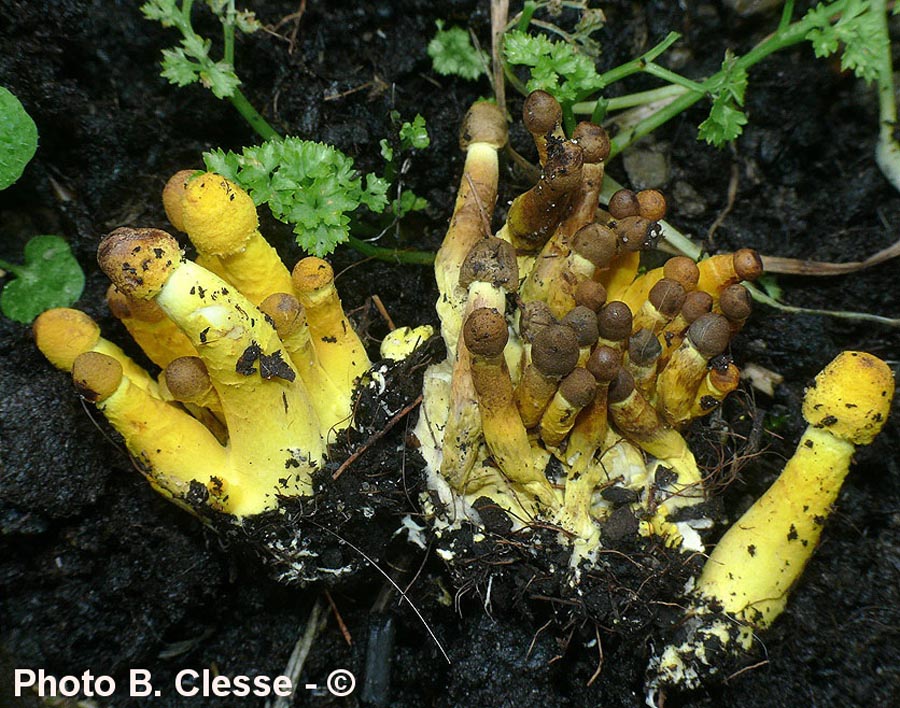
(542, 116)
(718, 383)
(750, 573)
(638, 421)
(220, 219)
(640, 360)
(63, 333)
(173, 450)
(719, 271)
(487, 273)
(485, 334)
(554, 354)
(534, 215)
(156, 334)
(663, 304)
(333, 403)
(337, 345)
(575, 392)
(483, 133)
(678, 382)
(274, 435)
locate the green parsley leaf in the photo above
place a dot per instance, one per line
(178, 69)
(452, 53)
(309, 185)
(557, 67)
(857, 29)
(51, 277)
(726, 120)
(18, 138)
(414, 135)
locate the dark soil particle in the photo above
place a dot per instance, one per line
(98, 571)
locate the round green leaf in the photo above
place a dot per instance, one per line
(18, 138)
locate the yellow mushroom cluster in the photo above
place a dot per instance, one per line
(258, 363)
(569, 372)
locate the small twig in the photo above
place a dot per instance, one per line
(482, 212)
(340, 620)
(596, 673)
(301, 651)
(729, 204)
(757, 665)
(797, 266)
(375, 438)
(382, 310)
(499, 15)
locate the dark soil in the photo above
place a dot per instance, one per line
(99, 572)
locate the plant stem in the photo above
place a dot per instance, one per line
(253, 117)
(11, 267)
(391, 255)
(631, 100)
(640, 64)
(887, 152)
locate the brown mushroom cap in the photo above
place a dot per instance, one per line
(667, 296)
(579, 387)
(614, 321)
(138, 261)
(533, 317)
(736, 303)
(604, 363)
(638, 234)
(710, 334)
(187, 378)
(682, 269)
(593, 139)
(554, 350)
(583, 320)
(623, 203)
(644, 347)
(485, 332)
(591, 294)
(484, 123)
(491, 260)
(286, 313)
(621, 386)
(651, 204)
(747, 264)
(597, 243)
(96, 376)
(541, 113)
(696, 303)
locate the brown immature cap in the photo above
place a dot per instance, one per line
(623, 203)
(651, 204)
(583, 321)
(684, 270)
(286, 313)
(491, 260)
(696, 303)
(597, 243)
(604, 363)
(747, 264)
(533, 318)
(187, 378)
(710, 334)
(591, 294)
(579, 387)
(614, 321)
(667, 296)
(138, 261)
(485, 332)
(621, 386)
(644, 347)
(554, 350)
(735, 302)
(541, 113)
(638, 233)
(96, 376)
(593, 139)
(484, 123)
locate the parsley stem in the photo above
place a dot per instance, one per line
(228, 33)
(12, 268)
(253, 117)
(639, 98)
(640, 64)
(391, 255)
(887, 152)
(673, 78)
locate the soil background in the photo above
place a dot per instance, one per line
(98, 572)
